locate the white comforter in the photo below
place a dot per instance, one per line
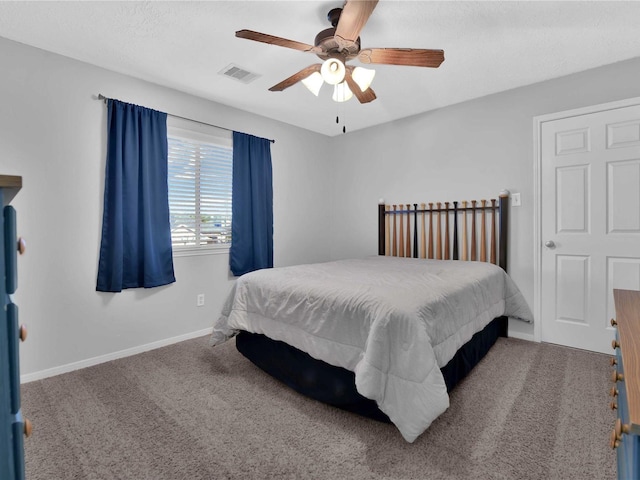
(392, 321)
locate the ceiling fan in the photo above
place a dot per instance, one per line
(340, 44)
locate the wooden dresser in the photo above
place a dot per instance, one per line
(625, 437)
(12, 425)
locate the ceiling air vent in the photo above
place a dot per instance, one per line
(238, 73)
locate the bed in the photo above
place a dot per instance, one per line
(385, 336)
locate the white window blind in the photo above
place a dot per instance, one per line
(199, 177)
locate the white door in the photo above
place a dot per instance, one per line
(590, 223)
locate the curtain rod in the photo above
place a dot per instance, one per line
(103, 98)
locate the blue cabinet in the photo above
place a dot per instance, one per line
(12, 425)
(625, 436)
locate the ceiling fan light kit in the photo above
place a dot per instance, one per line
(341, 92)
(363, 77)
(340, 44)
(313, 82)
(332, 71)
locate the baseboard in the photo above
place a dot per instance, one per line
(89, 362)
(522, 336)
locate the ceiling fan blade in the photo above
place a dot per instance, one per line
(363, 97)
(353, 18)
(296, 77)
(416, 57)
(279, 41)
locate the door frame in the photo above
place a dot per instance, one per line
(537, 196)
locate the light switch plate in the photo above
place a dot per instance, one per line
(515, 199)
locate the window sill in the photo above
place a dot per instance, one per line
(191, 252)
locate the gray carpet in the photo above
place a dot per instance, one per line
(188, 411)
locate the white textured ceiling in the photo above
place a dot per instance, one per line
(489, 47)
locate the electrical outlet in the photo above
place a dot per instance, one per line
(200, 300)
(515, 199)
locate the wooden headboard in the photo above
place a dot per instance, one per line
(447, 230)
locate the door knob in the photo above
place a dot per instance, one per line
(550, 244)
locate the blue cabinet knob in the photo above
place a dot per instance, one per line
(22, 333)
(28, 427)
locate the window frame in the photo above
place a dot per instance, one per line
(195, 132)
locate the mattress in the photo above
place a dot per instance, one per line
(392, 321)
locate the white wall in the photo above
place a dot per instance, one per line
(472, 150)
(52, 133)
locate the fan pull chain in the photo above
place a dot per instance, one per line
(344, 128)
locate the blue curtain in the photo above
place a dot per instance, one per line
(136, 235)
(252, 205)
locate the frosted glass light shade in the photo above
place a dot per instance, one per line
(332, 71)
(313, 82)
(341, 92)
(363, 77)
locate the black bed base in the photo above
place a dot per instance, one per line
(335, 385)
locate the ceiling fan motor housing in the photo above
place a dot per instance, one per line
(329, 45)
(331, 49)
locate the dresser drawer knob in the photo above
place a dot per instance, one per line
(22, 246)
(621, 428)
(28, 427)
(613, 405)
(613, 361)
(616, 433)
(613, 322)
(23, 333)
(615, 344)
(614, 441)
(616, 377)
(614, 391)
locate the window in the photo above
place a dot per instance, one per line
(199, 177)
